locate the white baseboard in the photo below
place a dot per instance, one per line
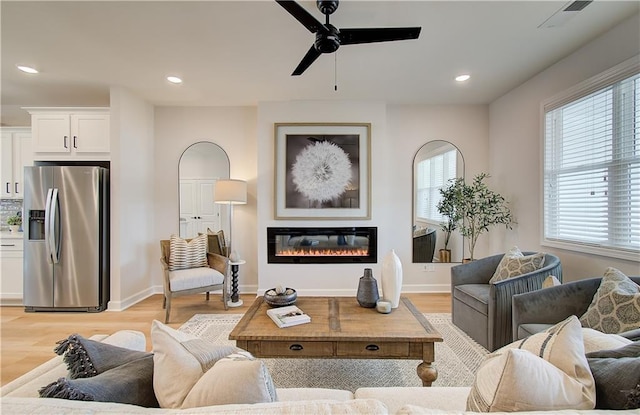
(253, 289)
(11, 300)
(132, 299)
(346, 292)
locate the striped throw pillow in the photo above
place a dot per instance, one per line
(191, 254)
(547, 371)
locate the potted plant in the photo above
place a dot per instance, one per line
(447, 206)
(479, 208)
(14, 223)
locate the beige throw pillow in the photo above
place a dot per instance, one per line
(595, 341)
(189, 372)
(616, 305)
(180, 360)
(237, 378)
(514, 263)
(546, 371)
(183, 254)
(551, 281)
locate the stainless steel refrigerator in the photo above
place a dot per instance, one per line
(66, 238)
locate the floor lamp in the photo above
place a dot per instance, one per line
(232, 192)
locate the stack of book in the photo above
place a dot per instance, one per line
(288, 316)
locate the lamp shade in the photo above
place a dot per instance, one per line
(231, 191)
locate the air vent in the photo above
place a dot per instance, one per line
(563, 15)
(576, 6)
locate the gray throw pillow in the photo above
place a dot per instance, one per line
(87, 358)
(617, 376)
(130, 383)
(103, 372)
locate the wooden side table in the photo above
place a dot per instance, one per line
(235, 300)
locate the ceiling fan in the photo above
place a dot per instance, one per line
(329, 38)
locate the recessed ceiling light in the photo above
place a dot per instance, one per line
(174, 79)
(462, 78)
(27, 69)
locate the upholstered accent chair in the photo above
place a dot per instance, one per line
(193, 280)
(536, 311)
(483, 309)
(424, 245)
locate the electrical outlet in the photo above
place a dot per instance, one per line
(428, 268)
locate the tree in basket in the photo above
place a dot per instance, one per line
(447, 207)
(479, 207)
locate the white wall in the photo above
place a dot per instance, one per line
(234, 130)
(516, 145)
(132, 208)
(410, 127)
(396, 134)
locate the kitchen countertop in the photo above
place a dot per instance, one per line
(11, 235)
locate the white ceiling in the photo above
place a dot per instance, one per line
(242, 52)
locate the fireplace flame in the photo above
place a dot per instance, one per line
(324, 252)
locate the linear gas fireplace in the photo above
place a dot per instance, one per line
(322, 245)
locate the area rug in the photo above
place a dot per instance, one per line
(457, 359)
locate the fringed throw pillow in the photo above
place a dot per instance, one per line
(103, 372)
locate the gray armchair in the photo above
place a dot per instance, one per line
(424, 246)
(536, 311)
(483, 310)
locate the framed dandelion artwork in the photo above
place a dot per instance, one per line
(323, 171)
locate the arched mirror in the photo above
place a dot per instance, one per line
(200, 166)
(434, 165)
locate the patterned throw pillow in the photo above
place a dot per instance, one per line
(547, 371)
(183, 254)
(514, 263)
(616, 305)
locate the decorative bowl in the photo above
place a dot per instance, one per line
(288, 297)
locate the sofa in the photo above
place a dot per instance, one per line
(21, 396)
(483, 309)
(536, 311)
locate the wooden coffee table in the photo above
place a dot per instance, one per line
(341, 329)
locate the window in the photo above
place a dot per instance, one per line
(433, 174)
(592, 166)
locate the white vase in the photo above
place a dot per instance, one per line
(391, 278)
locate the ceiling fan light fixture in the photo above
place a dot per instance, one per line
(174, 80)
(27, 69)
(463, 78)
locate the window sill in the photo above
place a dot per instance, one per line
(595, 250)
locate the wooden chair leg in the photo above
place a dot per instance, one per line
(168, 301)
(164, 302)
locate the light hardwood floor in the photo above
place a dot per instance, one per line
(27, 339)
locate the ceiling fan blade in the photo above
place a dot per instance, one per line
(303, 16)
(309, 58)
(354, 36)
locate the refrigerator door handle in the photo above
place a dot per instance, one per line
(47, 224)
(55, 237)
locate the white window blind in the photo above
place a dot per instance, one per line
(433, 173)
(592, 169)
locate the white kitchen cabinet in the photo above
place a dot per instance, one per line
(11, 257)
(16, 154)
(78, 132)
(197, 208)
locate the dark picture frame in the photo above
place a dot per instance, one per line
(322, 171)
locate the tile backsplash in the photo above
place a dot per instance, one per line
(8, 207)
